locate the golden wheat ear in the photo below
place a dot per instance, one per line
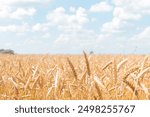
(73, 69)
(87, 63)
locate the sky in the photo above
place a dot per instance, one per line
(71, 26)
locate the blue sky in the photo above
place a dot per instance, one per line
(71, 26)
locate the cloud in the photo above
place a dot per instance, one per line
(139, 43)
(140, 7)
(143, 36)
(61, 18)
(72, 33)
(12, 12)
(19, 13)
(40, 27)
(75, 40)
(122, 29)
(124, 12)
(101, 7)
(10, 2)
(15, 28)
(111, 27)
(19, 9)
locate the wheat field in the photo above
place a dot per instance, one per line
(74, 77)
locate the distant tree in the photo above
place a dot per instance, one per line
(91, 52)
(6, 51)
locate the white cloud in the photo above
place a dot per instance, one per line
(57, 16)
(76, 40)
(101, 7)
(15, 9)
(9, 12)
(120, 2)
(143, 36)
(135, 6)
(21, 13)
(47, 35)
(140, 42)
(113, 26)
(9, 2)
(15, 28)
(40, 27)
(61, 18)
(124, 12)
(71, 24)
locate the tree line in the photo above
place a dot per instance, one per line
(6, 51)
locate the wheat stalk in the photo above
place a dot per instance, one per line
(146, 91)
(115, 71)
(131, 87)
(73, 69)
(144, 62)
(121, 64)
(129, 72)
(142, 73)
(87, 63)
(107, 65)
(35, 82)
(98, 91)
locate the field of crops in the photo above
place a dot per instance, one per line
(74, 77)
